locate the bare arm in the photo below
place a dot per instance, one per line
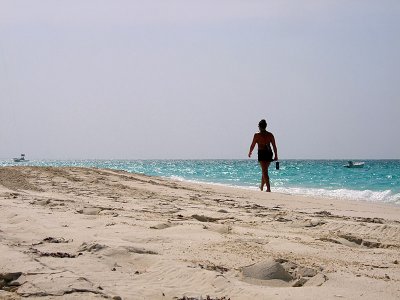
(253, 144)
(274, 147)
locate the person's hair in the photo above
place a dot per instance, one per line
(262, 124)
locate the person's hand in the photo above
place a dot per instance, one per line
(249, 154)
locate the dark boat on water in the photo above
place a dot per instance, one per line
(20, 159)
(351, 164)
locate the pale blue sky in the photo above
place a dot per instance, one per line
(191, 79)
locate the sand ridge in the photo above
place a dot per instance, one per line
(86, 233)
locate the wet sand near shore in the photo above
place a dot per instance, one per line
(86, 233)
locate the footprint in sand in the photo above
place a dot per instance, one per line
(8, 283)
(161, 226)
(282, 273)
(91, 211)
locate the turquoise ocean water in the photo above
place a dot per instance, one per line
(378, 181)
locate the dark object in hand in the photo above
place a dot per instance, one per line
(277, 165)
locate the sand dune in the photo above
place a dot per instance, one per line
(83, 233)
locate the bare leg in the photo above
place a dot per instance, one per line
(262, 178)
(265, 176)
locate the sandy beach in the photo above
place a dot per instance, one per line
(85, 233)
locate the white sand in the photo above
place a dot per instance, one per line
(80, 233)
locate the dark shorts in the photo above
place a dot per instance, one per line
(265, 155)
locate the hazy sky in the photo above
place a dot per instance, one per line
(191, 79)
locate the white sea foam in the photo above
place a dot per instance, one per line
(366, 195)
(178, 178)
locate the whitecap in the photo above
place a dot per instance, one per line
(386, 196)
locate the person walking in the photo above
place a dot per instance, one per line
(264, 139)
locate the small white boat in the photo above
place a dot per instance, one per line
(20, 159)
(354, 164)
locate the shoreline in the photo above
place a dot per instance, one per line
(254, 188)
(336, 189)
(101, 233)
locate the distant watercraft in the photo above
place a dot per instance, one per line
(351, 164)
(20, 159)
